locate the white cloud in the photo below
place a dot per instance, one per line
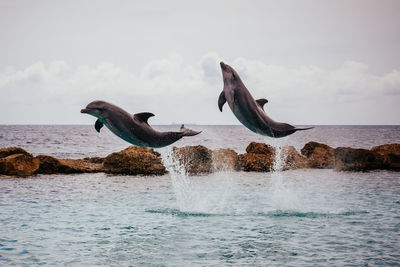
(181, 92)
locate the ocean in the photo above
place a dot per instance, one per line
(302, 217)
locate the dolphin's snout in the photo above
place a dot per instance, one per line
(223, 65)
(84, 110)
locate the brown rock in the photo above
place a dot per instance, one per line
(260, 148)
(195, 159)
(83, 165)
(261, 157)
(292, 159)
(7, 151)
(319, 155)
(255, 162)
(134, 160)
(18, 165)
(392, 162)
(224, 159)
(351, 159)
(391, 154)
(94, 160)
(387, 149)
(51, 165)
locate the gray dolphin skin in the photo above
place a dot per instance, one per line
(248, 111)
(132, 128)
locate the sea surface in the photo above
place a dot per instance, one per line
(282, 218)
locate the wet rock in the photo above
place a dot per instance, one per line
(7, 151)
(18, 165)
(262, 158)
(292, 159)
(51, 165)
(259, 158)
(255, 162)
(195, 159)
(224, 159)
(319, 155)
(351, 159)
(260, 148)
(391, 154)
(134, 160)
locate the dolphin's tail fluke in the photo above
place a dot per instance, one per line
(302, 129)
(188, 132)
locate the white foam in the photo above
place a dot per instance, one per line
(209, 194)
(283, 196)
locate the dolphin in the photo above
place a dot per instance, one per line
(132, 128)
(248, 111)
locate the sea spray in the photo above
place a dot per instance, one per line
(283, 197)
(202, 194)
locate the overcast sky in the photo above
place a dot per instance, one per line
(317, 62)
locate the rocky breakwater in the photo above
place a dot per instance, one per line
(262, 158)
(384, 157)
(130, 161)
(196, 160)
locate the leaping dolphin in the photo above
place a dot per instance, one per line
(132, 128)
(250, 112)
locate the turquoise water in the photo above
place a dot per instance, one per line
(290, 218)
(313, 217)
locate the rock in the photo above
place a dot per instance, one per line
(260, 148)
(255, 162)
(224, 159)
(391, 154)
(51, 165)
(94, 160)
(259, 158)
(392, 162)
(7, 151)
(351, 159)
(387, 149)
(134, 160)
(195, 159)
(319, 155)
(292, 159)
(18, 165)
(83, 165)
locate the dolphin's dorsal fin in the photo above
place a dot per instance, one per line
(143, 116)
(221, 100)
(261, 102)
(98, 124)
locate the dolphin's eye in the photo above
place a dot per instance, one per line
(233, 75)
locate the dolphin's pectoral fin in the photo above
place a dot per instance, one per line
(98, 125)
(261, 102)
(221, 100)
(143, 116)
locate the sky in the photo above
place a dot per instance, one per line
(317, 62)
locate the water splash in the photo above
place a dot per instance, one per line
(202, 194)
(283, 196)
